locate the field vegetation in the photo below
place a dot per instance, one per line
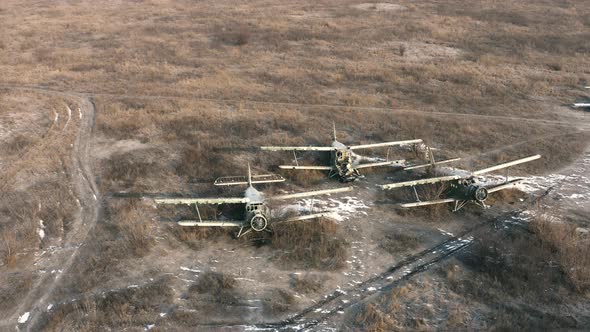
(188, 91)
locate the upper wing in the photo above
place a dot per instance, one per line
(318, 168)
(236, 180)
(376, 145)
(312, 193)
(430, 164)
(508, 164)
(418, 182)
(229, 200)
(297, 148)
(382, 163)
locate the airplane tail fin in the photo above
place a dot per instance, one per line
(334, 127)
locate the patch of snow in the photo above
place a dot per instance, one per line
(69, 117)
(149, 327)
(163, 314)
(23, 318)
(245, 279)
(371, 289)
(49, 307)
(41, 230)
(191, 270)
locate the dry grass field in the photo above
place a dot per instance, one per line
(106, 104)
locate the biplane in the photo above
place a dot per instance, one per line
(257, 213)
(344, 162)
(463, 188)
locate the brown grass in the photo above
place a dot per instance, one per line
(306, 284)
(13, 286)
(571, 247)
(220, 288)
(368, 317)
(398, 243)
(135, 222)
(120, 308)
(315, 244)
(278, 301)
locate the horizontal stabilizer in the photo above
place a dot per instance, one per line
(429, 164)
(188, 201)
(297, 148)
(504, 165)
(243, 180)
(377, 145)
(437, 201)
(317, 168)
(207, 223)
(419, 182)
(382, 163)
(312, 193)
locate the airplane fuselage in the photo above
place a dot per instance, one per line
(468, 189)
(257, 213)
(342, 160)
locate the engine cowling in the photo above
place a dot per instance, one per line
(477, 193)
(258, 222)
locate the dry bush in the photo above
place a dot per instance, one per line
(127, 169)
(457, 318)
(278, 301)
(571, 247)
(199, 163)
(58, 206)
(90, 269)
(305, 178)
(397, 243)
(19, 222)
(368, 317)
(219, 287)
(515, 266)
(135, 222)
(13, 287)
(506, 196)
(306, 284)
(132, 307)
(196, 237)
(9, 247)
(315, 244)
(237, 35)
(16, 145)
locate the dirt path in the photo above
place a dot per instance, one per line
(88, 196)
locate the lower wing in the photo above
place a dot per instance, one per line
(436, 201)
(317, 168)
(506, 185)
(307, 216)
(214, 223)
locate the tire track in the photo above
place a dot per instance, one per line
(86, 190)
(88, 215)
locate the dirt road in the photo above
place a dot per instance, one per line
(60, 260)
